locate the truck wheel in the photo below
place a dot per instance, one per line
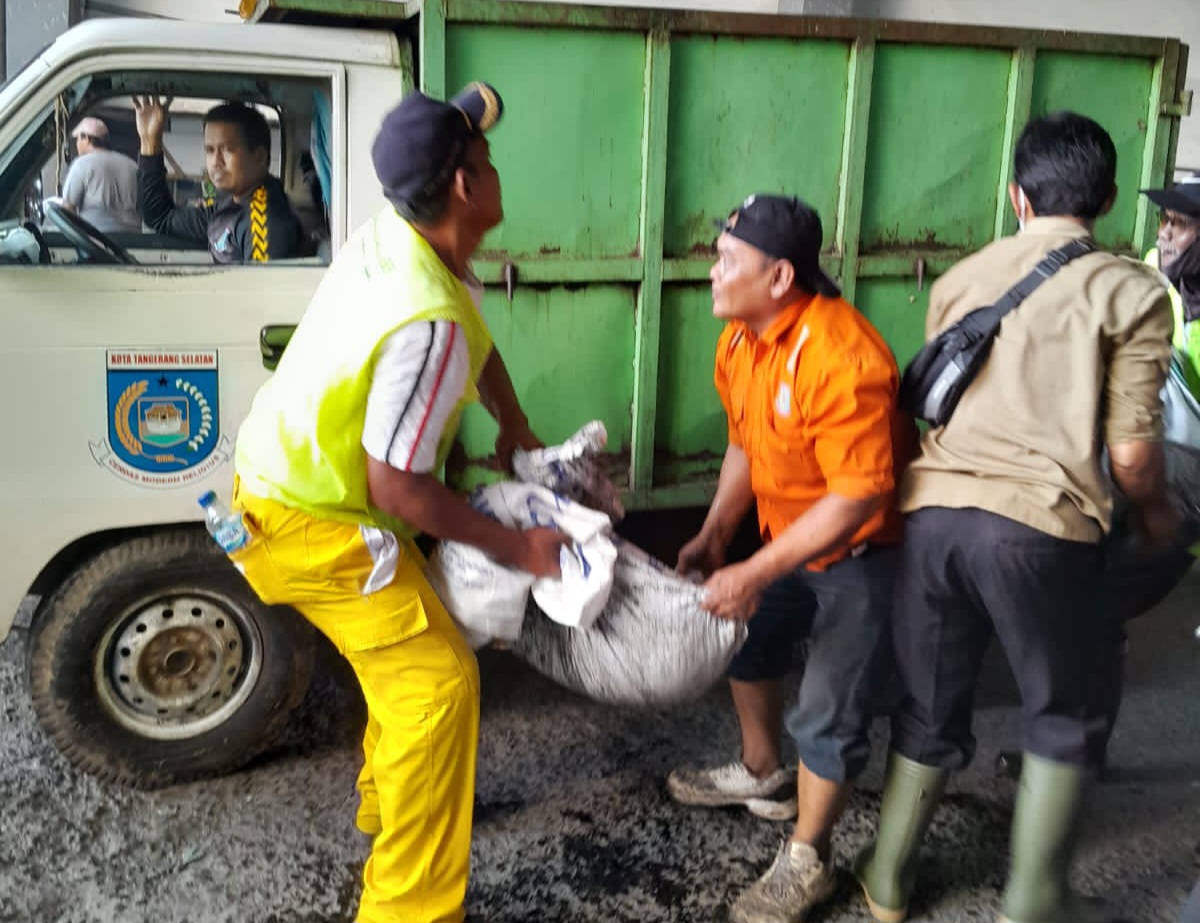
(155, 663)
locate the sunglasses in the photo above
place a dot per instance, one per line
(1177, 220)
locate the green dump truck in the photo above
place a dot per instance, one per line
(627, 133)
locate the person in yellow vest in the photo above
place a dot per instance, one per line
(1177, 256)
(337, 468)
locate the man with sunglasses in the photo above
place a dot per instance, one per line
(1177, 256)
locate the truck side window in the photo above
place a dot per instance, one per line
(243, 176)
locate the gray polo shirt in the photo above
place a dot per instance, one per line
(102, 188)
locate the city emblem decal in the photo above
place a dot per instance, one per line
(163, 420)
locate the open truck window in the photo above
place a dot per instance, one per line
(40, 217)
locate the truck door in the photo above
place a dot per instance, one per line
(128, 361)
(97, 316)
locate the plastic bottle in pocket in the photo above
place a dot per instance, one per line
(225, 526)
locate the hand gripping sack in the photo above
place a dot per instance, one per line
(487, 600)
(651, 646)
(572, 469)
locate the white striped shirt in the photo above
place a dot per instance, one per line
(419, 376)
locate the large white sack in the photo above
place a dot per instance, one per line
(652, 645)
(576, 597)
(487, 600)
(571, 470)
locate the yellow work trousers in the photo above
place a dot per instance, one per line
(421, 684)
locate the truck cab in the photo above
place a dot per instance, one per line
(129, 360)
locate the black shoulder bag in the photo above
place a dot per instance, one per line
(938, 375)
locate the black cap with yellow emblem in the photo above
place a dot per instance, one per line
(422, 141)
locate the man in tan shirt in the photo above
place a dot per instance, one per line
(1006, 506)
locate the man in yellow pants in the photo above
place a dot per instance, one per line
(337, 472)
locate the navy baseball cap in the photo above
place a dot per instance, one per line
(423, 140)
(784, 228)
(1182, 197)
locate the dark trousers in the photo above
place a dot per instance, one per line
(840, 615)
(1191, 909)
(1136, 579)
(966, 574)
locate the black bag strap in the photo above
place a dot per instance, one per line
(987, 320)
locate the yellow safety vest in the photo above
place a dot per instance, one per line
(1186, 337)
(301, 444)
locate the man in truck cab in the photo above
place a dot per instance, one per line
(337, 467)
(252, 221)
(101, 185)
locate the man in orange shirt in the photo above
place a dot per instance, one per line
(809, 389)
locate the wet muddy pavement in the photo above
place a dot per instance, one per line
(572, 824)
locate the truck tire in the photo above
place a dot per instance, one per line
(155, 663)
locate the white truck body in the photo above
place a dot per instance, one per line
(70, 329)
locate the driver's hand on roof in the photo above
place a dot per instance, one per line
(151, 115)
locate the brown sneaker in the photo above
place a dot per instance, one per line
(795, 883)
(772, 797)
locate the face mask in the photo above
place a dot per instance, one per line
(1020, 208)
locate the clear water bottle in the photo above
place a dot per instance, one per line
(224, 525)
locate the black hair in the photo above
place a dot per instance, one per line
(256, 133)
(428, 205)
(1067, 165)
(96, 142)
(816, 282)
(811, 280)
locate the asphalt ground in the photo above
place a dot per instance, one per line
(573, 823)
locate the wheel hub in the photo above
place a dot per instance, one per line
(174, 665)
(178, 663)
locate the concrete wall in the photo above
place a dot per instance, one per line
(31, 25)
(192, 10)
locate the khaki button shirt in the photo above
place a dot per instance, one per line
(1080, 361)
